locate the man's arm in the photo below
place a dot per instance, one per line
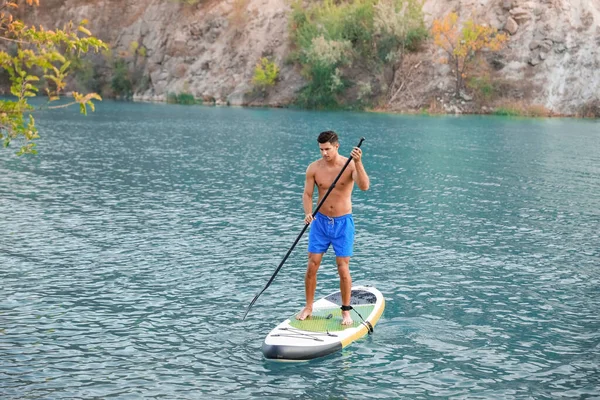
(359, 174)
(307, 197)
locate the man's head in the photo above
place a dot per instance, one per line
(328, 144)
(328, 137)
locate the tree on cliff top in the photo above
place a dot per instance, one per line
(462, 45)
(33, 57)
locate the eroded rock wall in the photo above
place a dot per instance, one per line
(210, 49)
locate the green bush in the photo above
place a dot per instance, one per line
(482, 86)
(186, 98)
(507, 111)
(172, 98)
(358, 27)
(121, 83)
(322, 91)
(330, 35)
(415, 38)
(265, 74)
(182, 98)
(87, 77)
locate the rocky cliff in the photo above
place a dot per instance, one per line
(210, 49)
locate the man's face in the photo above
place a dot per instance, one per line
(328, 150)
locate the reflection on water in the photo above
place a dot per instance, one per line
(134, 242)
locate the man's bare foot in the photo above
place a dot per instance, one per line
(346, 320)
(305, 313)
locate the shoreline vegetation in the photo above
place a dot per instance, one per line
(359, 55)
(375, 68)
(516, 109)
(508, 109)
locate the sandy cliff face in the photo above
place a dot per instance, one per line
(210, 49)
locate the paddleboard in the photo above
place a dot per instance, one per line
(323, 333)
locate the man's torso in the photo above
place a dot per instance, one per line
(339, 201)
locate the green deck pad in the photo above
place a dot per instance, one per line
(318, 321)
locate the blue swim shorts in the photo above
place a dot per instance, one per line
(338, 231)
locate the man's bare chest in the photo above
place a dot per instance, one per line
(324, 179)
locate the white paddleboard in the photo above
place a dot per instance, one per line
(323, 333)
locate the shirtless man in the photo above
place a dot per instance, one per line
(333, 224)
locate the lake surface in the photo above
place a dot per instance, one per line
(133, 243)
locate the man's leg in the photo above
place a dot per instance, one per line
(343, 265)
(310, 284)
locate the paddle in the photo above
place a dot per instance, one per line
(301, 233)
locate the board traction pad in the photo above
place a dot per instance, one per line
(330, 319)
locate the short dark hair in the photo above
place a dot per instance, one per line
(328, 137)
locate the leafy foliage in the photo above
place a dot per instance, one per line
(86, 74)
(136, 50)
(182, 98)
(121, 82)
(37, 56)
(482, 87)
(331, 36)
(399, 24)
(265, 74)
(186, 98)
(462, 45)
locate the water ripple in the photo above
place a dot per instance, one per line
(135, 241)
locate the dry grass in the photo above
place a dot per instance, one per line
(435, 107)
(239, 13)
(521, 108)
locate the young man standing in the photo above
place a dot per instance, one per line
(333, 224)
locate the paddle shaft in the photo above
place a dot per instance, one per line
(301, 232)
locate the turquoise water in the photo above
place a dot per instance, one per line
(133, 243)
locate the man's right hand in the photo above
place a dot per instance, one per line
(308, 219)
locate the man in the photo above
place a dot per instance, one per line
(333, 224)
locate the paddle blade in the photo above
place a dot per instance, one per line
(251, 304)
